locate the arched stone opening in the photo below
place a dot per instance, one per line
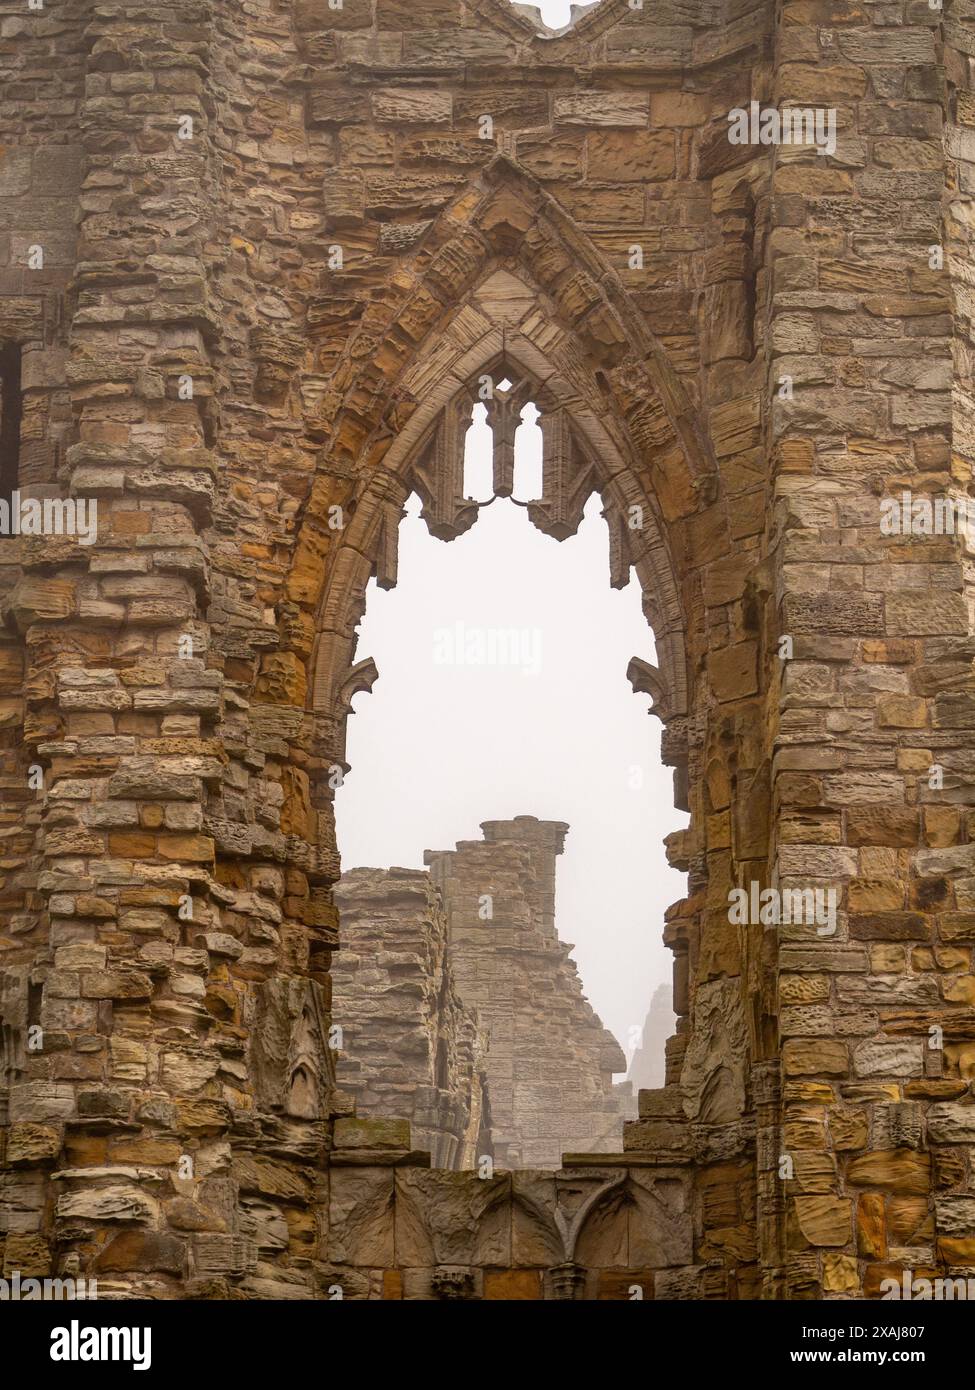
(607, 428)
(590, 1110)
(580, 458)
(503, 286)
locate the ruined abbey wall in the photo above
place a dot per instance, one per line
(461, 1010)
(410, 1047)
(550, 1061)
(279, 244)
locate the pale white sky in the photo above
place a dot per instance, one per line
(441, 744)
(555, 13)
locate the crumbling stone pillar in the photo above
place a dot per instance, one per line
(122, 707)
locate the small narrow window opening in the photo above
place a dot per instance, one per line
(528, 456)
(478, 474)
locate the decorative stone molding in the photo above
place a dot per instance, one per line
(453, 1283)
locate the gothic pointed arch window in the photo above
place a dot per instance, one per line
(504, 376)
(506, 409)
(605, 444)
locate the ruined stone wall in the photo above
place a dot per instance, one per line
(862, 317)
(42, 80)
(274, 322)
(411, 1047)
(550, 1061)
(429, 961)
(402, 1231)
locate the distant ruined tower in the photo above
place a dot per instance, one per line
(648, 1066)
(411, 1048)
(462, 1011)
(550, 1061)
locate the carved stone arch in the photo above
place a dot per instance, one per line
(553, 1210)
(504, 278)
(517, 223)
(578, 1196)
(397, 377)
(427, 456)
(533, 1210)
(293, 1065)
(590, 19)
(644, 1217)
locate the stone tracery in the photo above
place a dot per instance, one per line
(579, 457)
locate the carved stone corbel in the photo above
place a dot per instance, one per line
(620, 558)
(568, 1281)
(381, 541)
(646, 679)
(452, 1282)
(363, 676)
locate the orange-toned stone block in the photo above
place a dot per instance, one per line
(131, 523)
(871, 1228)
(512, 1284)
(132, 846)
(619, 1284)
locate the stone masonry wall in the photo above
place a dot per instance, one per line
(550, 1061)
(424, 970)
(410, 1046)
(281, 247)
